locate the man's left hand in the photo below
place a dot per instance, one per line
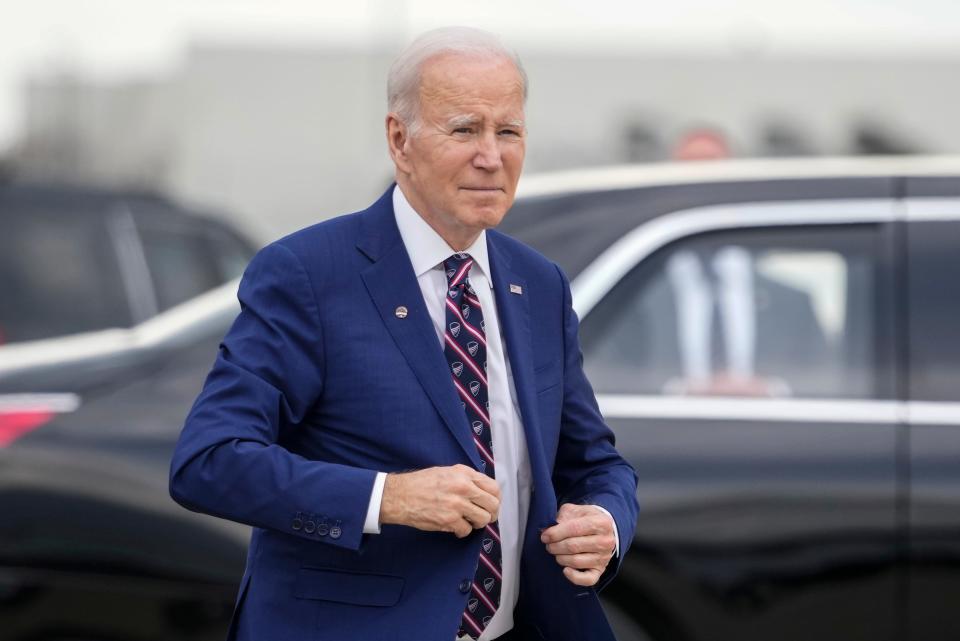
(583, 541)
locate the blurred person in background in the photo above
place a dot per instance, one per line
(702, 143)
(399, 409)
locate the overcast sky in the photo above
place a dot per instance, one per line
(111, 39)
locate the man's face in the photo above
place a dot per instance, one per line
(463, 163)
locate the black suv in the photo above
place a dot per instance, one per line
(78, 259)
(774, 343)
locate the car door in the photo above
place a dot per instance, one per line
(932, 314)
(743, 355)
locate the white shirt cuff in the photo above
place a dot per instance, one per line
(372, 523)
(616, 535)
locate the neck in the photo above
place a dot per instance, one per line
(457, 238)
(458, 243)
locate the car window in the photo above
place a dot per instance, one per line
(180, 264)
(934, 310)
(774, 312)
(58, 276)
(231, 253)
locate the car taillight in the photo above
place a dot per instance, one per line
(13, 425)
(22, 413)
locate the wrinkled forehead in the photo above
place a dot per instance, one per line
(456, 78)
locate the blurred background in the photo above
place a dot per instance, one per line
(272, 112)
(757, 203)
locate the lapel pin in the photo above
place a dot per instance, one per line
(401, 312)
(516, 289)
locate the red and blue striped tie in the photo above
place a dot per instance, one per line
(465, 346)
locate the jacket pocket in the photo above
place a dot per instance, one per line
(326, 584)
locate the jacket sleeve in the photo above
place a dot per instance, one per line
(268, 374)
(588, 469)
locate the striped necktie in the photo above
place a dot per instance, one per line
(465, 347)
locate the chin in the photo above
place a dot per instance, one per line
(487, 214)
(487, 218)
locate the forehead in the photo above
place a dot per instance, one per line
(450, 82)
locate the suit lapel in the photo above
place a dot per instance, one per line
(392, 284)
(513, 311)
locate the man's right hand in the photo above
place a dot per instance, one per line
(454, 499)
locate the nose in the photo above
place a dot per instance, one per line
(488, 152)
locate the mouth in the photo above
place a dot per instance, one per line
(482, 189)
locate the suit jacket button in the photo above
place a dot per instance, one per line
(309, 527)
(297, 523)
(465, 586)
(323, 528)
(335, 532)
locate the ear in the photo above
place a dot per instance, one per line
(397, 139)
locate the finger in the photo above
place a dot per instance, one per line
(486, 502)
(585, 578)
(567, 510)
(486, 484)
(583, 561)
(486, 494)
(475, 515)
(597, 543)
(574, 527)
(462, 529)
(573, 510)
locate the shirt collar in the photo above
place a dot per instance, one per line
(426, 248)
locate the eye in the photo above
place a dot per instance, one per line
(509, 132)
(463, 130)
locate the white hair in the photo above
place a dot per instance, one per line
(403, 80)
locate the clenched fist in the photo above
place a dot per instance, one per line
(583, 542)
(454, 499)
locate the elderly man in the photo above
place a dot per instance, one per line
(399, 409)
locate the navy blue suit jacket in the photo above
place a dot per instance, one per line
(319, 384)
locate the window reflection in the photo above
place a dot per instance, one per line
(762, 313)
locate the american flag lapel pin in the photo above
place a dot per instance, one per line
(516, 289)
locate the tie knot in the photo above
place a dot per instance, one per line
(457, 268)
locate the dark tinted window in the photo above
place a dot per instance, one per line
(180, 262)
(572, 229)
(58, 275)
(230, 252)
(783, 312)
(934, 310)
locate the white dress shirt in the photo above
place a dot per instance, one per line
(427, 251)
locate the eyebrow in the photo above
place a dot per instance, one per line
(462, 121)
(470, 120)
